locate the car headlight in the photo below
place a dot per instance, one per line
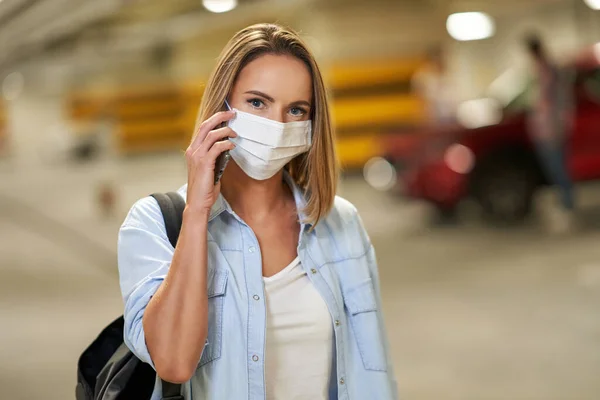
(459, 158)
(380, 173)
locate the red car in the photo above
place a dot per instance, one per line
(496, 165)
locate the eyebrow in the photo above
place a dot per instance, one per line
(272, 100)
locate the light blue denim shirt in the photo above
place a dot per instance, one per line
(340, 262)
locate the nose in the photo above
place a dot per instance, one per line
(278, 114)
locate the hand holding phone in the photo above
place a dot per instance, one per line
(209, 144)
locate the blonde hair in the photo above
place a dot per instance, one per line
(315, 172)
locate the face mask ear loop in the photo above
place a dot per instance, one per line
(227, 104)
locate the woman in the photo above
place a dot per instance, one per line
(272, 290)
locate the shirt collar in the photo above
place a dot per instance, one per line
(222, 205)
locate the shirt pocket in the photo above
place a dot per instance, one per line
(217, 285)
(361, 303)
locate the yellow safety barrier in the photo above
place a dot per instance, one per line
(89, 106)
(355, 151)
(147, 118)
(389, 110)
(371, 72)
(371, 98)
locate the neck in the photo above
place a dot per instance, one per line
(252, 198)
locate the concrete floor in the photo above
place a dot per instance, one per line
(472, 312)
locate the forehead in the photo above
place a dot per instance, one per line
(283, 77)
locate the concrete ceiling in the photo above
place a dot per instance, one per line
(31, 28)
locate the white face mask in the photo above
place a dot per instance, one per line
(263, 146)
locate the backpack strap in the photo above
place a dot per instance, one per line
(171, 391)
(171, 205)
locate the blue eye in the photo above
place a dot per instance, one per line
(297, 112)
(256, 103)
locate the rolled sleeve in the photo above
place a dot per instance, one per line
(144, 258)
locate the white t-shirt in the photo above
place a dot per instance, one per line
(299, 337)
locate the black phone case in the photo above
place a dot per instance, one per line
(221, 161)
(220, 165)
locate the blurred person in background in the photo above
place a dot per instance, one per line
(433, 85)
(550, 123)
(271, 269)
(103, 139)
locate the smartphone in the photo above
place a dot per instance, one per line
(221, 161)
(220, 165)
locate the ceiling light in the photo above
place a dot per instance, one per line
(219, 6)
(470, 26)
(593, 4)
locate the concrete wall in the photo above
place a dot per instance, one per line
(37, 127)
(335, 31)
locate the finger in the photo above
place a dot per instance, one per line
(210, 124)
(219, 148)
(215, 136)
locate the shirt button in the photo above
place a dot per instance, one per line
(314, 271)
(251, 249)
(256, 297)
(342, 381)
(337, 322)
(255, 358)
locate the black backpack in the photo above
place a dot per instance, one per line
(107, 369)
